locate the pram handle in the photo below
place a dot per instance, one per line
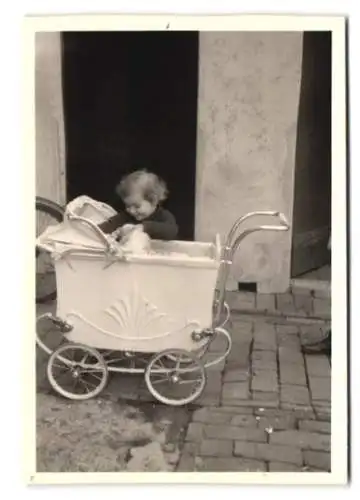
(95, 228)
(232, 244)
(284, 224)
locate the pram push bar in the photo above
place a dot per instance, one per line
(232, 243)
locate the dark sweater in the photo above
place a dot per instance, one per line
(160, 225)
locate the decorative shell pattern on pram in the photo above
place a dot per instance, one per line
(133, 314)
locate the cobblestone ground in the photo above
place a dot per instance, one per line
(267, 408)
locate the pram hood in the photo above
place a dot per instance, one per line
(70, 233)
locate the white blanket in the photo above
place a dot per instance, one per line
(136, 241)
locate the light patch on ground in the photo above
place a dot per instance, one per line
(98, 436)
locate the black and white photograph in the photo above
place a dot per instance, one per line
(183, 172)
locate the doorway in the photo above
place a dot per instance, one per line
(312, 194)
(130, 102)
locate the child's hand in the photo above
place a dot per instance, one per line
(123, 231)
(117, 233)
(126, 229)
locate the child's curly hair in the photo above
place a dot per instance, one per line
(154, 188)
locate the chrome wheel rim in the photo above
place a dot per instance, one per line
(77, 372)
(175, 377)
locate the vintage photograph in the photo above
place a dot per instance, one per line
(183, 250)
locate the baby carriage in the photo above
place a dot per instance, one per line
(155, 313)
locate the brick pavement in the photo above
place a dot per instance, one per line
(299, 301)
(273, 410)
(266, 408)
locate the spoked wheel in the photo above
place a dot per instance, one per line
(47, 214)
(175, 377)
(77, 372)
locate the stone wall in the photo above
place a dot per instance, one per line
(249, 84)
(50, 142)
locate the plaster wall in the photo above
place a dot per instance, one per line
(249, 86)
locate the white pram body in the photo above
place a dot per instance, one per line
(146, 302)
(167, 301)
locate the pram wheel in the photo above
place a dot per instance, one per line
(175, 377)
(77, 371)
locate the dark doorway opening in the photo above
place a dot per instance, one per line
(130, 102)
(312, 193)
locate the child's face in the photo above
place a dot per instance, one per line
(137, 206)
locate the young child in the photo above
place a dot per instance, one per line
(142, 193)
